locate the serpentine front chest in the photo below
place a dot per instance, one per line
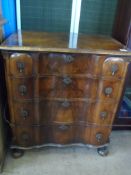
(61, 94)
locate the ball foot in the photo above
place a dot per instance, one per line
(103, 151)
(17, 153)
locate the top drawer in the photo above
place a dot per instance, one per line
(25, 64)
(59, 63)
(21, 64)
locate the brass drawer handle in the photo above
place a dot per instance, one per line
(21, 66)
(66, 104)
(68, 58)
(63, 127)
(108, 91)
(67, 80)
(24, 113)
(22, 90)
(99, 137)
(114, 69)
(103, 115)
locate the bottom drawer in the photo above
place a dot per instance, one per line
(60, 134)
(31, 136)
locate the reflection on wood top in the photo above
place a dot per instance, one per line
(62, 42)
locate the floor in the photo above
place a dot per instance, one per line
(75, 160)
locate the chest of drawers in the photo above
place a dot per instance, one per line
(59, 95)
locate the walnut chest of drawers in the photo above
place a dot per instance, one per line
(62, 95)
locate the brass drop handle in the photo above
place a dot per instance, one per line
(63, 127)
(24, 113)
(114, 69)
(66, 104)
(103, 115)
(22, 90)
(20, 66)
(67, 80)
(68, 58)
(99, 137)
(108, 91)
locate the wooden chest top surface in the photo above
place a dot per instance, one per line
(63, 42)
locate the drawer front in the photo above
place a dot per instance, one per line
(63, 111)
(23, 88)
(110, 89)
(24, 113)
(60, 134)
(114, 67)
(68, 87)
(103, 113)
(55, 63)
(47, 112)
(21, 64)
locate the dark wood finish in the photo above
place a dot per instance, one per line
(57, 41)
(122, 32)
(123, 123)
(63, 97)
(122, 25)
(60, 43)
(58, 63)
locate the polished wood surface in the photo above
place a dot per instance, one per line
(62, 97)
(61, 40)
(63, 43)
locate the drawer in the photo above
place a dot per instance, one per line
(110, 89)
(63, 111)
(103, 113)
(23, 88)
(47, 112)
(21, 64)
(68, 87)
(57, 63)
(60, 134)
(114, 67)
(96, 136)
(24, 113)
